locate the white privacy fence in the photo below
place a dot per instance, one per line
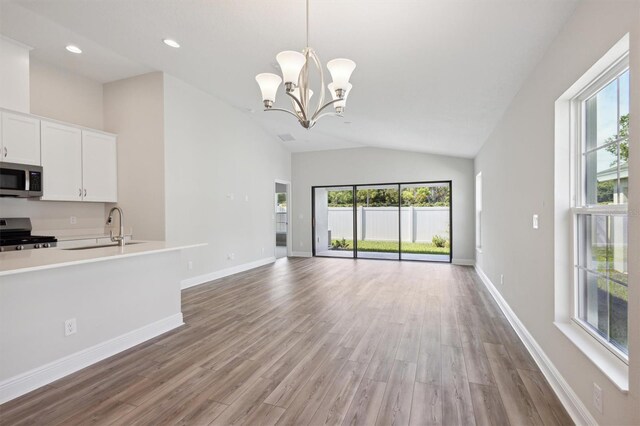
(419, 224)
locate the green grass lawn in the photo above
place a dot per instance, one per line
(392, 247)
(619, 291)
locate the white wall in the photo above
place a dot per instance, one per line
(53, 217)
(69, 97)
(14, 75)
(517, 165)
(59, 94)
(373, 165)
(134, 110)
(220, 170)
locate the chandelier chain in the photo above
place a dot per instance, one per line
(308, 23)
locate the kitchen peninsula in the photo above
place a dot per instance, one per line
(62, 310)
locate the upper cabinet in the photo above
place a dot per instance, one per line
(61, 162)
(20, 141)
(78, 165)
(99, 167)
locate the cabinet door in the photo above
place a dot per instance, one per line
(61, 162)
(20, 139)
(100, 167)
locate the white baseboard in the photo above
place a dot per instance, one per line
(464, 262)
(201, 279)
(301, 254)
(38, 377)
(571, 402)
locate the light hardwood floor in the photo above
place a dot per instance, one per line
(316, 341)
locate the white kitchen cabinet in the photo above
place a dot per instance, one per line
(20, 141)
(78, 165)
(61, 162)
(99, 167)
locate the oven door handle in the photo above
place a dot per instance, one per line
(27, 183)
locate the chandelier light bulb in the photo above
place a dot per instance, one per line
(341, 70)
(339, 105)
(291, 63)
(296, 92)
(268, 86)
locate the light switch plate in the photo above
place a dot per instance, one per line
(536, 223)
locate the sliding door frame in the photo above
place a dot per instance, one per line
(355, 218)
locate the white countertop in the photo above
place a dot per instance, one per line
(16, 262)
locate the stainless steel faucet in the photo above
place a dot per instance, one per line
(119, 238)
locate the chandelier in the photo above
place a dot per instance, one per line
(295, 74)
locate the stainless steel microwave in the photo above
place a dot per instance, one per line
(20, 180)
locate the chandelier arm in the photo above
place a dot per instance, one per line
(335, 114)
(303, 81)
(297, 101)
(285, 110)
(318, 63)
(315, 115)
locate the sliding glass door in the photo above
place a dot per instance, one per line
(333, 221)
(378, 224)
(394, 221)
(425, 221)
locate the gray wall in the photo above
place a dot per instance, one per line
(134, 110)
(220, 170)
(373, 165)
(517, 165)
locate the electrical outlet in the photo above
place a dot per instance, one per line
(501, 279)
(70, 327)
(190, 265)
(597, 397)
(73, 220)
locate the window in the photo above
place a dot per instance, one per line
(600, 209)
(479, 212)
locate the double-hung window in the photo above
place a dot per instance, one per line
(601, 180)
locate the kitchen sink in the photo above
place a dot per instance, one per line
(100, 246)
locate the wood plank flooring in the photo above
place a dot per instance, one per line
(316, 341)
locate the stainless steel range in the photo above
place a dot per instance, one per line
(15, 234)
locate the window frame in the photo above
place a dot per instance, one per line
(578, 188)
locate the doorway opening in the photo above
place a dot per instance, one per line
(281, 219)
(392, 221)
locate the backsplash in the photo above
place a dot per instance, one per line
(54, 217)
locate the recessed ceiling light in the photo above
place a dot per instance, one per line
(73, 49)
(171, 43)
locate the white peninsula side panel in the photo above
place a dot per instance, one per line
(116, 303)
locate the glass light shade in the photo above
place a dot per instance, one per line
(291, 63)
(334, 96)
(268, 85)
(296, 93)
(341, 70)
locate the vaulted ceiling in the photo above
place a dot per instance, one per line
(432, 75)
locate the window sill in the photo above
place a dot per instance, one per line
(609, 364)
